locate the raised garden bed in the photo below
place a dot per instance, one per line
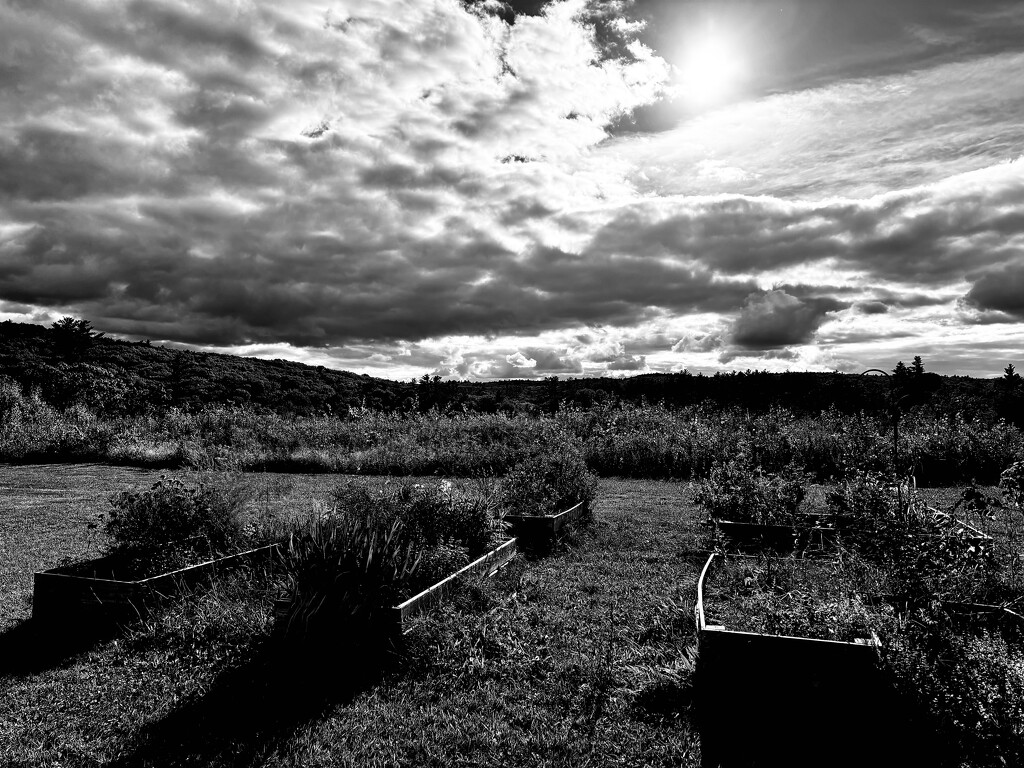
(778, 539)
(819, 534)
(544, 528)
(92, 593)
(485, 565)
(774, 699)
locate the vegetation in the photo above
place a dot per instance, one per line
(71, 364)
(586, 657)
(579, 658)
(941, 594)
(629, 441)
(737, 492)
(548, 482)
(173, 523)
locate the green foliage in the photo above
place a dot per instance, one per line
(549, 482)
(737, 492)
(970, 688)
(379, 545)
(171, 522)
(442, 514)
(344, 572)
(1011, 483)
(822, 599)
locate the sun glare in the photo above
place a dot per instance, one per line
(710, 69)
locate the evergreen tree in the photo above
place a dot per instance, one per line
(73, 339)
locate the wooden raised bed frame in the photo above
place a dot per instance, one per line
(485, 565)
(780, 539)
(60, 594)
(545, 527)
(780, 700)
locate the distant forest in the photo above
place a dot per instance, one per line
(70, 364)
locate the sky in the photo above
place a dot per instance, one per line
(487, 190)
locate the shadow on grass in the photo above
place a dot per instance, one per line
(32, 647)
(251, 711)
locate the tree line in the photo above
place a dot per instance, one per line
(70, 363)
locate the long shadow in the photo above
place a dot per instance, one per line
(251, 711)
(32, 647)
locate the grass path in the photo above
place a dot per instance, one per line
(574, 659)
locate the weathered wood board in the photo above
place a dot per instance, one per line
(61, 594)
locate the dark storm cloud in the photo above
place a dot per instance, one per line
(872, 307)
(776, 319)
(1001, 290)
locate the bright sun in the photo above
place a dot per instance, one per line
(710, 69)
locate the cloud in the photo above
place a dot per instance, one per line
(776, 319)
(436, 186)
(265, 173)
(928, 235)
(628, 363)
(1000, 290)
(707, 342)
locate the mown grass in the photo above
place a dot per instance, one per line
(576, 659)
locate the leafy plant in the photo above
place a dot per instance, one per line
(436, 514)
(165, 525)
(547, 483)
(970, 688)
(737, 492)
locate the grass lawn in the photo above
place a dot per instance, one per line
(575, 659)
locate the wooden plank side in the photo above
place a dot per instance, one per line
(56, 592)
(570, 515)
(56, 595)
(434, 594)
(546, 526)
(169, 583)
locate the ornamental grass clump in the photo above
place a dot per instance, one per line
(344, 573)
(173, 524)
(346, 568)
(453, 515)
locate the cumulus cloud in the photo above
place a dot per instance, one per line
(707, 342)
(1000, 290)
(395, 184)
(259, 173)
(929, 235)
(776, 319)
(628, 363)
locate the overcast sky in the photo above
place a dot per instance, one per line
(490, 190)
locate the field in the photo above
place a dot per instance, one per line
(579, 658)
(582, 657)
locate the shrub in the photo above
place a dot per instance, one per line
(435, 514)
(738, 492)
(163, 526)
(969, 687)
(547, 483)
